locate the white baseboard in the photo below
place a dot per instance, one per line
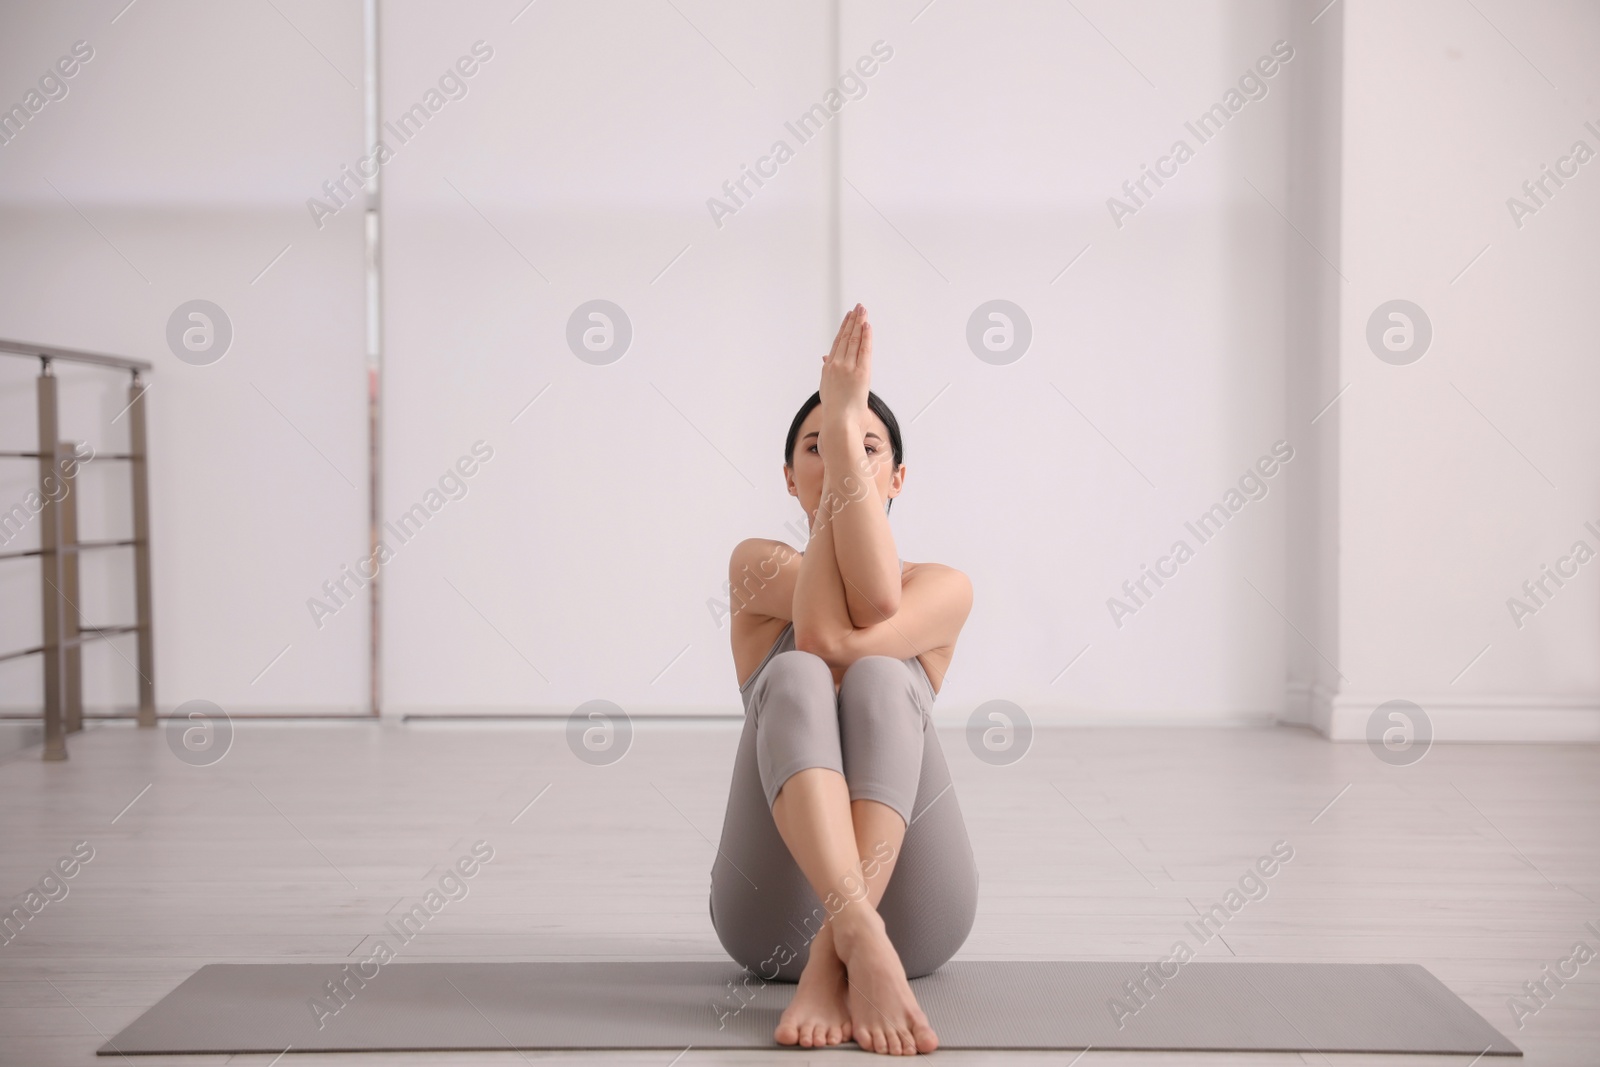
(103, 712)
(1308, 704)
(944, 715)
(953, 715)
(445, 712)
(1533, 718)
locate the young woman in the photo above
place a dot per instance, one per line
(844, 863)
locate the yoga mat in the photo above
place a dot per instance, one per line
(431, 1006)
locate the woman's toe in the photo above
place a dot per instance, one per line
(889, 1044)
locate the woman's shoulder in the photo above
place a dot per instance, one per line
(929, 568)
(948, 584)
(760, 549)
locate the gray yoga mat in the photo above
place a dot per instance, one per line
(1206, 1006)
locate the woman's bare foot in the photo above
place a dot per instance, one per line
(818, 1015)
(884, 1014)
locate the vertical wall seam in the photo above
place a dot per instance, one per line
(835, 182)
(374, 363)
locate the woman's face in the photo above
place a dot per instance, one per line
(804, 477)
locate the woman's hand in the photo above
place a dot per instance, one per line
(847, 369)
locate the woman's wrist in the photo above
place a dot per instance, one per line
(852, 413)
(839, 437)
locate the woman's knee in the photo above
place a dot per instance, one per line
(880, 668)
(876, 684)
(795, 669)
(798, 679)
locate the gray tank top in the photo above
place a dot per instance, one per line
(785, 643)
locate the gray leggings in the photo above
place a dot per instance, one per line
(876, 731)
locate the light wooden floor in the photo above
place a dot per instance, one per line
(1481, 862)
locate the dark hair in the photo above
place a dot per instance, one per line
(878, 408)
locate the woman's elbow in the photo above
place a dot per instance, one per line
(808, 640)
(876, 608)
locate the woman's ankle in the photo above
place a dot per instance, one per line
(824, 953)
(853, 924)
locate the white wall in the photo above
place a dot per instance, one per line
(577, 167)
(1175, 351)
(177, 167)
(1463, 473)
(977, 165)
